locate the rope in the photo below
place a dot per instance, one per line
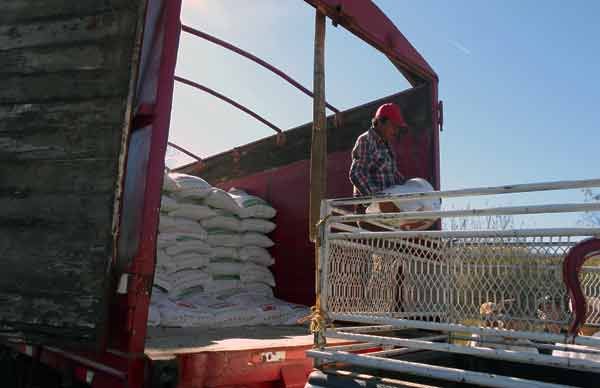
(318, 318)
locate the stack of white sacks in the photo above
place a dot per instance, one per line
(212, 259)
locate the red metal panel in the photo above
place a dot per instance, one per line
(244, 369)
(364, 19)
(572, 265)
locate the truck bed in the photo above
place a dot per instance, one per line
(164, 343)
(230, 356)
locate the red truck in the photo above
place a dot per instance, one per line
(85, 112)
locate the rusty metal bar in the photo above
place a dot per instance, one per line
(253, 58)
(228, 100)
(188, 153)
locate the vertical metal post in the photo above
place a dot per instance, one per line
(318, 153)
(318, 159)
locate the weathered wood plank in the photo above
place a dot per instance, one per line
(85, 56)
(41, 87)
(68, 31)
(74, 276)
(72, 143)
(21, 178)
(22, 11)
(57, 208)
(74, 239)
(48, 311)
(70, 299)
(66, 69)
(59, 116)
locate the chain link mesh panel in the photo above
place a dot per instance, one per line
(510, 282)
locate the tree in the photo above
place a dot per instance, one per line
(591, 218)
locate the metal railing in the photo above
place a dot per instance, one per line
(502, 290)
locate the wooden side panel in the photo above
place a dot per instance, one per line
(67, 70)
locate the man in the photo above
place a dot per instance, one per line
(374, 167)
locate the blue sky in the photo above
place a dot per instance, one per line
(519, 81)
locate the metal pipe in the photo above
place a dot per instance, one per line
(374, 379)
(454, 327)
(430, 371)
(561, 347)
(368, 329)
(188, 153)
(510, 189)
(540, 232)
(394, 352)
(352, 347)
(501, 210)
(253, 58)
(228, 100)
(491, 353)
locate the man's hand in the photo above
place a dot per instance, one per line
(388, 207)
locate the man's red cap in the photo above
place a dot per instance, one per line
(391, 112)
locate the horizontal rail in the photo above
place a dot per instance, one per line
(455, 327)
(494, 190)
(229, 101)
(255, 59)
(491, 353)
(346, 212)
(544, 232)
(375, 379)
(502, 210)
(353, 347)
(430, 371)
(561, 347)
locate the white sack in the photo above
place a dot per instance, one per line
(225, 253)
(182, 314)
(414, 185)
(178, 237)
(176, 224)
(222, 222)
(256, 239)
(191, 187)
(257, 225)
(222, 286)
(251, 206)
(153, 316)
(187, 261)
(223, 238)
(220, 199)
(257, 288)
(196, 246)
(258, 255)
(256, 273)
(193, 212)
(169, 184)
(168, 204)
(225, 267)
(232, 315)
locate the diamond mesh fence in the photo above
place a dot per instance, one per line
(509, 282)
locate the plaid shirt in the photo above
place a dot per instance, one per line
(374, 165)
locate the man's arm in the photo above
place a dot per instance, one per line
(359, 170)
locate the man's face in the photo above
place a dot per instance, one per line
(390, 130)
